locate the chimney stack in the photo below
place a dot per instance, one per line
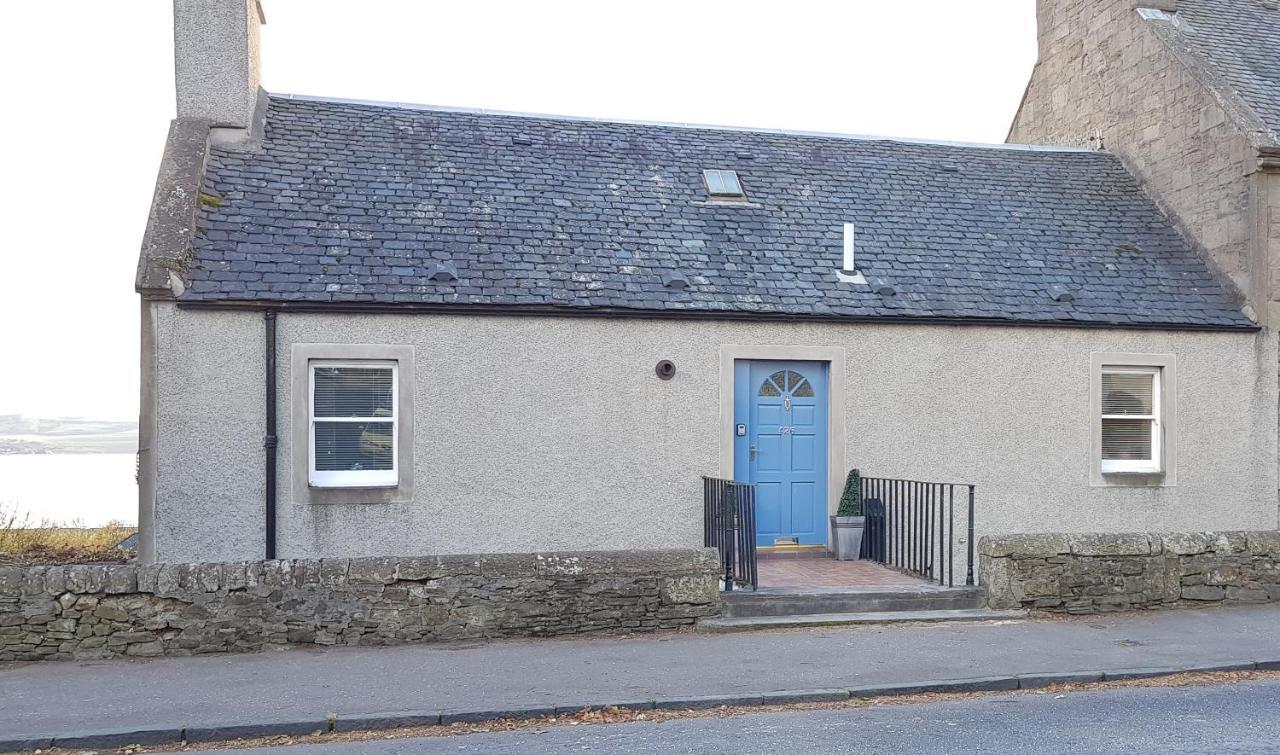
(216, 61)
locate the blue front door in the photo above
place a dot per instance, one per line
(780, 444)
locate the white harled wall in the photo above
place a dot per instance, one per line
(543, 433)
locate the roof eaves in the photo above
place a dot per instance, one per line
(1239, 325)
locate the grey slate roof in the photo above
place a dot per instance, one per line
(352, 203)
(1240, 41)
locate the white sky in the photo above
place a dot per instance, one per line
(89, 90)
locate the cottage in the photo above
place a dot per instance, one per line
(376, 329)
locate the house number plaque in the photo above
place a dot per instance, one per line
(787, 430)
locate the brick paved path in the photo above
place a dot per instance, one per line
(827, 572)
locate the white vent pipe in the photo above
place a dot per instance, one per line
(848, 248)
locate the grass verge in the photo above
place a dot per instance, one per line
(27, 543)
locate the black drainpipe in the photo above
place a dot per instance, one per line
(269, 442)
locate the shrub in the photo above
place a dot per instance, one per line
(851, 500)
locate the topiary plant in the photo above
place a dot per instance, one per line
(851, 501)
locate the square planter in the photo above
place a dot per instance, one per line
(846, 536)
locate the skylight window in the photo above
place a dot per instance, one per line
(723, 184)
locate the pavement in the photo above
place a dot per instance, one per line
(105, 703)
(1243, 717)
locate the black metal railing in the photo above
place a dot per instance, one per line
(729, 525)
(911, 525)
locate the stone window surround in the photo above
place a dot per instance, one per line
(834, 357)
(301, 356)
(1167, 364)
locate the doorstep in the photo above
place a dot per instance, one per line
(787, 552)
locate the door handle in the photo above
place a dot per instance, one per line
(754, 452)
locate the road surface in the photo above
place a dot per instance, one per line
(1242, 717)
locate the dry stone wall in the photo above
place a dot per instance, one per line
(97, 611)
(1091, 573)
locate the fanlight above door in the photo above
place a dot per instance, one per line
(788, 382)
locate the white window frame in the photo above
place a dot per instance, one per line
(369, 478)
(1166, 469)
(1154, 465)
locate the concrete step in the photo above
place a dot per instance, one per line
(748, 623)
(810, 601)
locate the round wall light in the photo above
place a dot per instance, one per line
(666, 369)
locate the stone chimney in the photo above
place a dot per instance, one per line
(216, 61)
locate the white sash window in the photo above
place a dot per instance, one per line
(1132, 435)
(353, 419)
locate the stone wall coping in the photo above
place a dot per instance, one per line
(173, 578)
(1049, 545)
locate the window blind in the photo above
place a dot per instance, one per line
(353, 419)
(353, 392)
(1128, 416)
(1126, 439)
(1128, 393)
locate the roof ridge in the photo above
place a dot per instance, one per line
(680, 124)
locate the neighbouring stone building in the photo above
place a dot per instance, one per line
(373, 329)
(1187, 94)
